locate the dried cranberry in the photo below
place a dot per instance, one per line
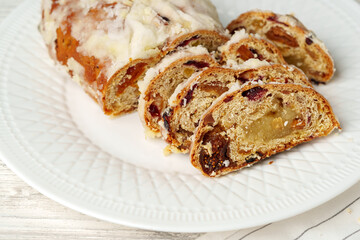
(228, 99)
(188, 96)
(255, 93)
(197, 64)
(309, 119)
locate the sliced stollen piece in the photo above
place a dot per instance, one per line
(160, 82)
(108, 46)
(246, 125)
(243, 46)
(191, 99)
(298, 45)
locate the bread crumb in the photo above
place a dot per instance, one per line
(271, 162)
(358, 220)
(348, 210)
(150, 134)
(170, 149)
(167, 150)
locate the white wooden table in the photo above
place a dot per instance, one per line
(27, 214)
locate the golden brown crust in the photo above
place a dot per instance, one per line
(207, 129)
(298, 45)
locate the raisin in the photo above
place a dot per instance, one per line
(254, 157)
(278, 34)
(251, 159)
(308, 41)
(186, 42)
(197, 64)
(255, 93)
(256, 54)
(165, 19)
(166, 118)
(316, 82)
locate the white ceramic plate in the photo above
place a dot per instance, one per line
(57, 139)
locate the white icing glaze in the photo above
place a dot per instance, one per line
(236, 38)
(117, 31)
(248, 64)
(288, 19)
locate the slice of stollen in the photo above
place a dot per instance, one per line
(249, 124)
(298, 45)
(160, 82)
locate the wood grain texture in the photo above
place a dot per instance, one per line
(27, 214)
